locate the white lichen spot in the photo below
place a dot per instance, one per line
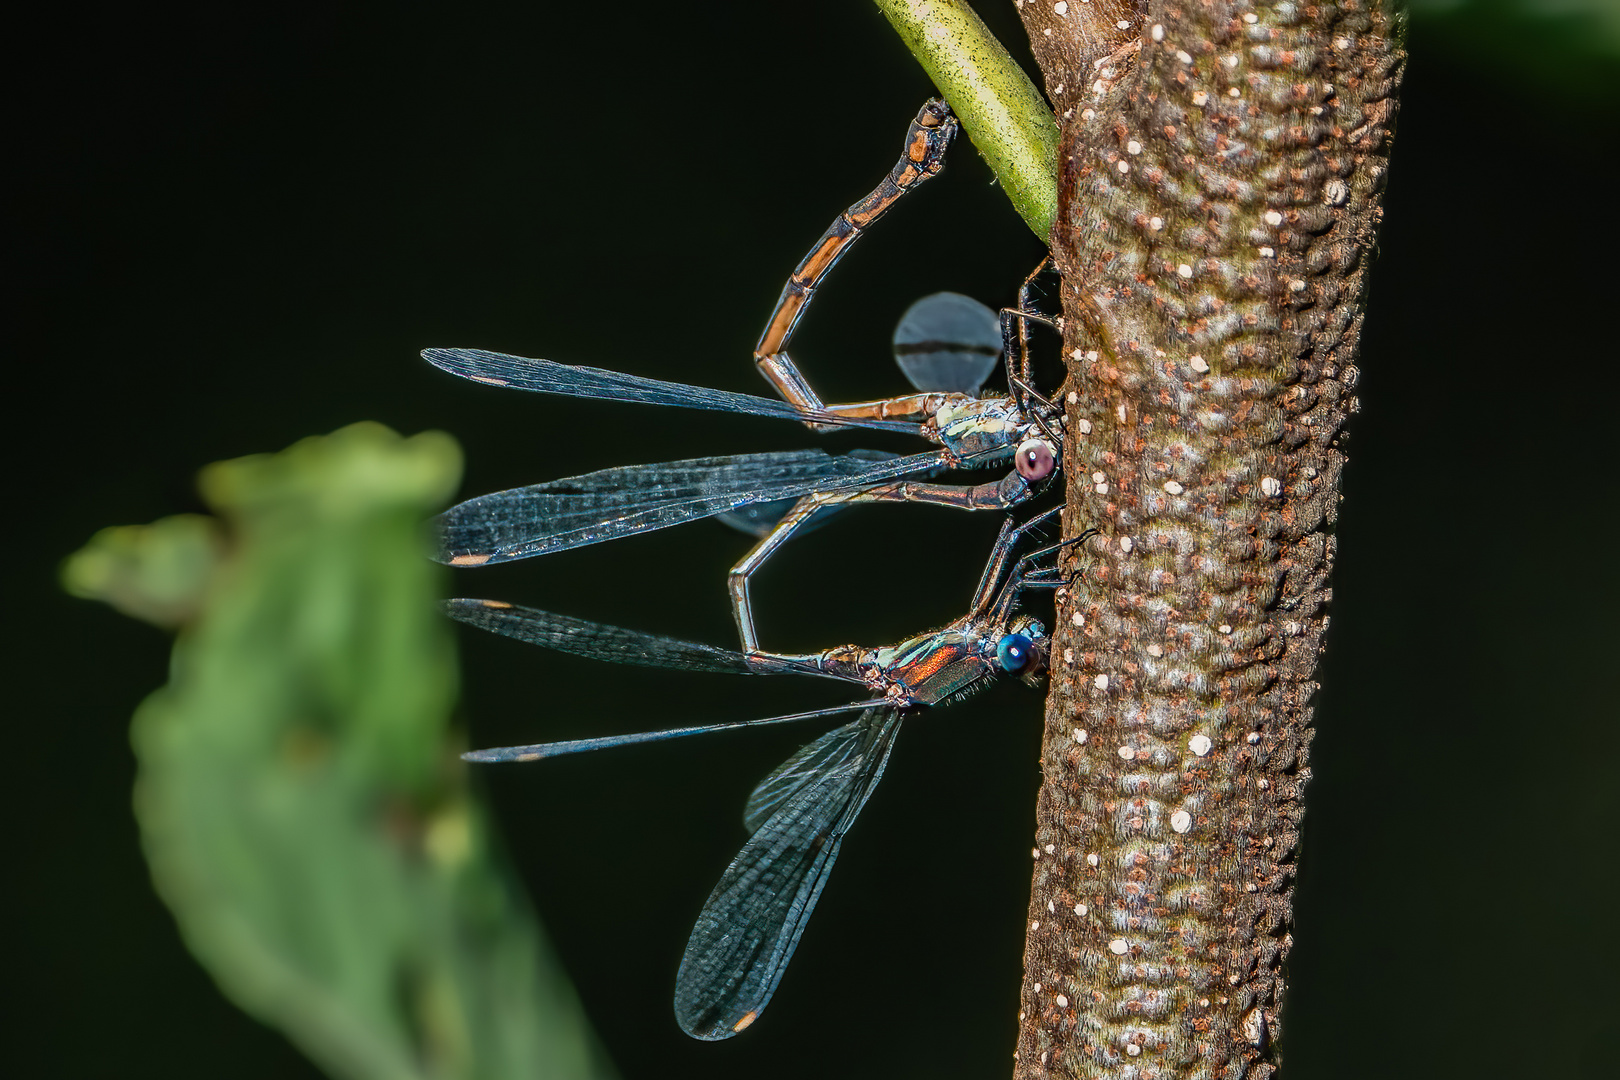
(1078, 619)
(1068, 656)
(1200, 745)
(1173, 488)
(1080, 910)
(1181, 821)
(1273, 217)
(1224, 628)
(1037, 988)
(1035, 852)
(1060, 7)
(1254, 1026)
(1098, 87)
(1050, 907)
(1119, 411)
(1127, 753)
(1092, 356)
(1335, 192)
(1097, 478)
(1155, 223)
(1252, 738)
(1132, 1050)
(1341, 43)
(1057, 91)
(1198, 364)
(1133, 147)
(1034, 926)
(1062, 1002)
(1184, 271)
(1100, 682)
(1092, 860)
(1080, 736)
(1200, 97)
(1044, 1055)
(1118, 946)
(1233, 92)
(1047, 31)
(1250, 17)
(1088, 114)
(1230, 60)
(1157, 33)
(1084, 426)
(1268, 253)
(1296, 285)
(1270, 485)
(1123, 167)
(1126, 543)
(1123, 25)
(1051, 848)
(1155, 650)
(1183, 56)
(1101, 489)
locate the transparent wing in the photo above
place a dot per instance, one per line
(550, 377)
(758, 519)
(832, 751)
(611, 503)
(752, 921)
(948, 341)
(613, 644)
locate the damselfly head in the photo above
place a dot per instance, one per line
(1035, 459)
(1026, 643)
(1014, 652)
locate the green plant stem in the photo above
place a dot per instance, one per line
(1000, 108)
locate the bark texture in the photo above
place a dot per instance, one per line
(1221, 171)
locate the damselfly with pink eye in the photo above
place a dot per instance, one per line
(798, 815)
(971, 432)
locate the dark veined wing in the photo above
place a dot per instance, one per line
(550, 377)
(752, 921)
(758, 519)
(832, 751)
(613, 644)
(623, 501)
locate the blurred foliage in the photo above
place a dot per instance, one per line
(1563, 45)
(301, 805)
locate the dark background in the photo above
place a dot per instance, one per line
(237, 228)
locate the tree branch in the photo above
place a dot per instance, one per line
(1221, 166)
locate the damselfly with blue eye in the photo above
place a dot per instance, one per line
(798, 815)
(972, 432)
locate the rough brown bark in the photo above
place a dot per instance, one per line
(1221, 170)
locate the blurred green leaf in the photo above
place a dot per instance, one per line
(156, 573)
(300, 802)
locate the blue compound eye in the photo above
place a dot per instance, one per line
(1013, 652)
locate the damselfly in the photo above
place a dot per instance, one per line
(798, 815)
(972, 432)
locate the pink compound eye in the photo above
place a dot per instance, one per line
(1035, 460)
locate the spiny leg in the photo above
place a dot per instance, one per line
(1015, 343)
(926, 141)
(995, 495)
(1000, 554)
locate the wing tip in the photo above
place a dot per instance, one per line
(499, 756)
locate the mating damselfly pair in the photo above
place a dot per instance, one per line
(798, 815)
